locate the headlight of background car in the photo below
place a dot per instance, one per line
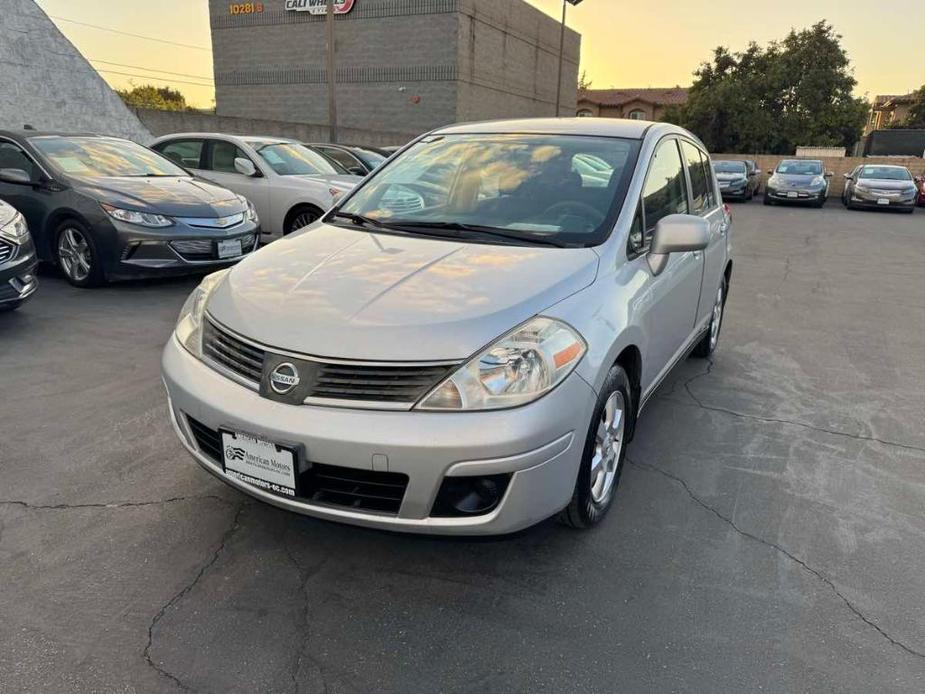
(251, 210)
(144, 219)
(189, 324)
(519, 368)
(817, 181)
(16, 230)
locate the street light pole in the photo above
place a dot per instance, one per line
(565, 4)
(332, 96)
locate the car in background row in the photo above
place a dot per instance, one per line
(290, 185)
(880, 186)
(738, 179)
(17, 259)
(358, 161)
(798, 181)
(474, 364)
(103, 208)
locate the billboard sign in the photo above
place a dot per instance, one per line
(319, 6)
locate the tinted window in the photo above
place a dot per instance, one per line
(223, 156)
(12, 157)
(103, 156)
(291, 159)
(343, 158)
(525, 184)
(700, 188)
(369, 157)
(665, 191)
(711, 182)
(183, 152)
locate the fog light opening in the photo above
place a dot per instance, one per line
(470, 496)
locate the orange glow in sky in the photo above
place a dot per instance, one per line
(657, 43)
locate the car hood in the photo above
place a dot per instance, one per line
(342, 181)
(886, 184)
(335, 292)
(181, 196)
(7, 212)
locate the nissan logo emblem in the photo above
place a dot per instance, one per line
(284, 378)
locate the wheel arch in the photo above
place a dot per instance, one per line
(55, 220)
(296, 209)
(630, 360)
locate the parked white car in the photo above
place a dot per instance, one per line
(290, 185)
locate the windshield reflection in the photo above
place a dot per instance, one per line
(96, 157)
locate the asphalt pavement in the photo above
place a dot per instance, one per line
(768, 535)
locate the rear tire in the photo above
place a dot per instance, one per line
(707, 345)
(300, 217)
(604, 453)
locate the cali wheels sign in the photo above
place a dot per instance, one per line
(319, 6)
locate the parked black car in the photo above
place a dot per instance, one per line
(880, 186)
(738, 179)
(356, 160)
(798, 181)
(104, 208)
(17, 259)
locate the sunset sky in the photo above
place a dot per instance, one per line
(625, 44)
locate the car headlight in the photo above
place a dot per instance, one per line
(519, 368)
(15, 230)
(144, 219)
(189, 324)
(251, 210)
(861, 188)
(817, 181)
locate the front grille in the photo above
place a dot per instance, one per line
(6, 251)
(207, 249)
(243, 359)
(386, 382)
(332, 485)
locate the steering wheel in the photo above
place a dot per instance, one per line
(573, 208)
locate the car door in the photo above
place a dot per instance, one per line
(218, 167)
(674, 294)
(34, 202)
(706, 203)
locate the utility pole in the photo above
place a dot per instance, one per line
(565, 4)
(332, 95)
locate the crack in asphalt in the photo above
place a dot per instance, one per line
(305, 576)
(697, 402)
(109, 505)
(226, 536)
(773, 545)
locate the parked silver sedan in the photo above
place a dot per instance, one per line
(290, 185)
(465, 342)
(880, 186)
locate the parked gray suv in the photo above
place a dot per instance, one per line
(476, 361)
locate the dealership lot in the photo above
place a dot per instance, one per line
(768, 534)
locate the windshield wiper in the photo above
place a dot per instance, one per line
(479, 229)
(358, 219)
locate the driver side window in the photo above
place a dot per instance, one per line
(12, 157)
(664, 193)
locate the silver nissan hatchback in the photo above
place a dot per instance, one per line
(464, 343)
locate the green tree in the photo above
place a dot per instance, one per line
(793, 92)
(149, 96)
(916, 117)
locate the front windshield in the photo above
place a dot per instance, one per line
(737, 167)
(885, 173)
(103, 156)
(559, 188)
(291, 159)
(800, 168)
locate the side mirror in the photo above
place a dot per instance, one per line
(15, 176)
(847, 177)
(829, 174)
(245, 166)
(676, 233)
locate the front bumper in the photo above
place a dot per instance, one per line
(540, 445)
(873, 199)
(796, 195)
(177, 250)
(17, 274)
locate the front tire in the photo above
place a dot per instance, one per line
(710, 340)
(77, 255)
(604, 453)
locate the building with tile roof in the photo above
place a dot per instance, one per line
(638, 104)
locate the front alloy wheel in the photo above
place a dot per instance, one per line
(77, 256)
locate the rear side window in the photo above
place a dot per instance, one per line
(223, 156)
(186, 153)
(665, 191)
(341, 157)
(700, 184)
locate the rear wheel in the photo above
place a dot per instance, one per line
(301, 217)
(710, 340)
(77, 255)
(604, 453)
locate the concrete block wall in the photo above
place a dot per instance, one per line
(839, 166)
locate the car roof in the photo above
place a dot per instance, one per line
(226, 136)
(601, 127)
(52, 133)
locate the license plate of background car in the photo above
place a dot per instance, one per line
(793, 194)
(229, 248)
(883, 201)
(259, 463)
